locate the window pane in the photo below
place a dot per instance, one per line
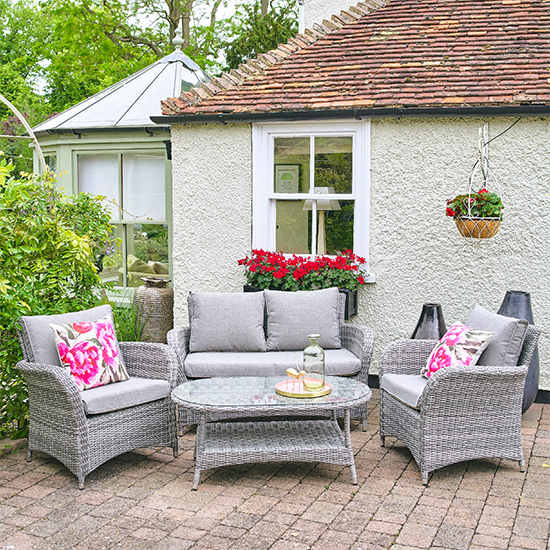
(98, 175)
(338, 228)
(291, 173)
(143, 186)
(334, 164)
(147, 247)
(111, 269)
(293, 233)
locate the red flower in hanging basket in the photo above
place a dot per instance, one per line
(483, 204)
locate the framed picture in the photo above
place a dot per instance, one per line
(287, 178)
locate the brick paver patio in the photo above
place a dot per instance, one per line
(143, 500)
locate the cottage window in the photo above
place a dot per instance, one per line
(133, 185)
(311, 188)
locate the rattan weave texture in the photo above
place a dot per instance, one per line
(267, 440)
(465, 413)
(59, 427)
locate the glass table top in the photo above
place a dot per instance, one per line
(256, 392)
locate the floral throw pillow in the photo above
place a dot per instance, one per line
(89, 351)
(460, 346)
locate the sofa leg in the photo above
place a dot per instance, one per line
(425, 478)
(81, 482)
(29, 455)
(522, 465)
(382, 441)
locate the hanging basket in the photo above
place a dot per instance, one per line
(478, 213)
(478, 228)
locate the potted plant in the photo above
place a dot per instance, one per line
(476, 215)
(275, 271)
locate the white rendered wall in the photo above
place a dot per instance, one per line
(417, 253)
(212, 209)
(317, 10)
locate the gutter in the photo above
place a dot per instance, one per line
(79, 131)
(358, 114)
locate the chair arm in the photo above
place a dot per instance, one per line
(405, 356)
(54, 396)
(480, 392)
(150, 360)
(178, 340)
(359, 339)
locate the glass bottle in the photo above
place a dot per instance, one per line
(314, 365)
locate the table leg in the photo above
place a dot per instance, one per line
(199, 447)
(347, 436)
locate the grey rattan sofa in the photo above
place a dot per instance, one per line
(352, 358)
(459, 413)
(126, 415)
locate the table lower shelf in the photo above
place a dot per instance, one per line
(226, 443)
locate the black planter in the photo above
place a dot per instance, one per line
(351, 299)
(431, 325)
(517, 304)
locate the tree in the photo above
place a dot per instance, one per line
(258, 28)
(93, 44)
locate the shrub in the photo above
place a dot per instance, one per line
(50, 244)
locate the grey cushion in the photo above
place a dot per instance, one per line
(406, 388)
(121, 395)
(226, 321)
(338, 362)
(38, 336)
(291, 316)
(505, 346)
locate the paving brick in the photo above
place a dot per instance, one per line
(247, 509)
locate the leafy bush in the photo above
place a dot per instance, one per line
(48, 250)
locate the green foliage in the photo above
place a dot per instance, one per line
(255, 34)
(48, 251)
(476, 205)
(128, 326)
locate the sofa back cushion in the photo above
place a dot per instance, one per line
(37, 337)
(226, 321)
(291, 316)
(505, 346)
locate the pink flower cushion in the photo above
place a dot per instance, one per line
(460, 346)
(89, 351)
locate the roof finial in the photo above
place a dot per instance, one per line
(177, 40)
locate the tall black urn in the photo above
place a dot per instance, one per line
(517, 304)
(431, 325)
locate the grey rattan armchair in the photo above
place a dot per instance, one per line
(463, 413)
(58, 422)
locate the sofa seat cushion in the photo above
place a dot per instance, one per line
(339, 362)
(121, 395)
(406, 388)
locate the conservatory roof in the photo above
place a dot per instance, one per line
(391, 55)
(132, 101)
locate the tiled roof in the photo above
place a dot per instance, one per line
(396, 53)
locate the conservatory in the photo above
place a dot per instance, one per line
(108, 146)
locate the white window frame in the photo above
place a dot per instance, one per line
(264, 198)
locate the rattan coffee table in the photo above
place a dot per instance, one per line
(262, 437)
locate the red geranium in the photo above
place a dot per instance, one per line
(274, 270)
